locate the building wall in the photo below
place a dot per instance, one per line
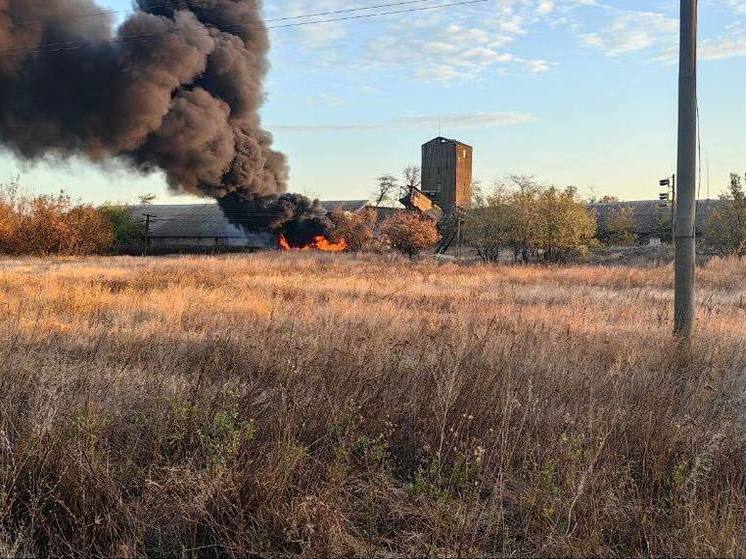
(252, 241)
(464, 156)
(447, 172)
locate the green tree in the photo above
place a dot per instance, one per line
(619, 228)
(487, 224)
(522, 218)
(531, 219)
(663, 228)
(725, 227)
(565, 225)
(129, 232)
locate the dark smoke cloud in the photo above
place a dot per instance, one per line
(298, 218)
(185, 99)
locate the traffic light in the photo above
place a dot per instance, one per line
(664, 196)
(665, 182)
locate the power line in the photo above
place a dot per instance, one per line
(70, 45)
(366, 16)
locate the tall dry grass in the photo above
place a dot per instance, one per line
(322, 405)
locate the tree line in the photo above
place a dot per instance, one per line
(533, 221)
(57, 224)
(541, 222)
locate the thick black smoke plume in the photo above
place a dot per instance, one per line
(299, 219)
(176, 87)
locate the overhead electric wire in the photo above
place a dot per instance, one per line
(366, 16)
(70, 45)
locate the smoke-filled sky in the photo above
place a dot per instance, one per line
(574, 91)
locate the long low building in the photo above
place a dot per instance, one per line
(204, 227)
(647, 215)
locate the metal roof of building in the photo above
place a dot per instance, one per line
(443, 140)
(189, 220)
(346, 205)
(646, 214)
(208, 220)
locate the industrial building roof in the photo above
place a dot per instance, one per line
(208, 220)
(443, 140)
(346, 205)
(188, 220)
(646, 214)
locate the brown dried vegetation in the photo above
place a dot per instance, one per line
(47, 224)
(325, 405)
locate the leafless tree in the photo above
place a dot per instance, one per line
(412, 178)
(387, 186)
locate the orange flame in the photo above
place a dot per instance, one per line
(319, 243)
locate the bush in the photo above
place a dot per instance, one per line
(87, 231)
(487, 226)
(45, 225)
(410, 233)
(725, 228)
(129, 232)
(619, 229)
(355, 228)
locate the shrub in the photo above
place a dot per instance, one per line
(355, 228)
(725, 228)
(619, 229)
(410, 233)
(487, 226)
(47, 224)
(129, 232)
(87, 231)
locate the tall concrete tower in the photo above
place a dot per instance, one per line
(447, 173)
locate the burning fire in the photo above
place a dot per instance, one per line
(319, 243)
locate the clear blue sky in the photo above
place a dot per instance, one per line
(579, 92)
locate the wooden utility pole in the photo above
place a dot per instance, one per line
(147, 234)
(686, 208)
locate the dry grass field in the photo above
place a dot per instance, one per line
(319, 405)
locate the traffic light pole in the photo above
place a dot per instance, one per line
(684, 304)
(673, 209)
